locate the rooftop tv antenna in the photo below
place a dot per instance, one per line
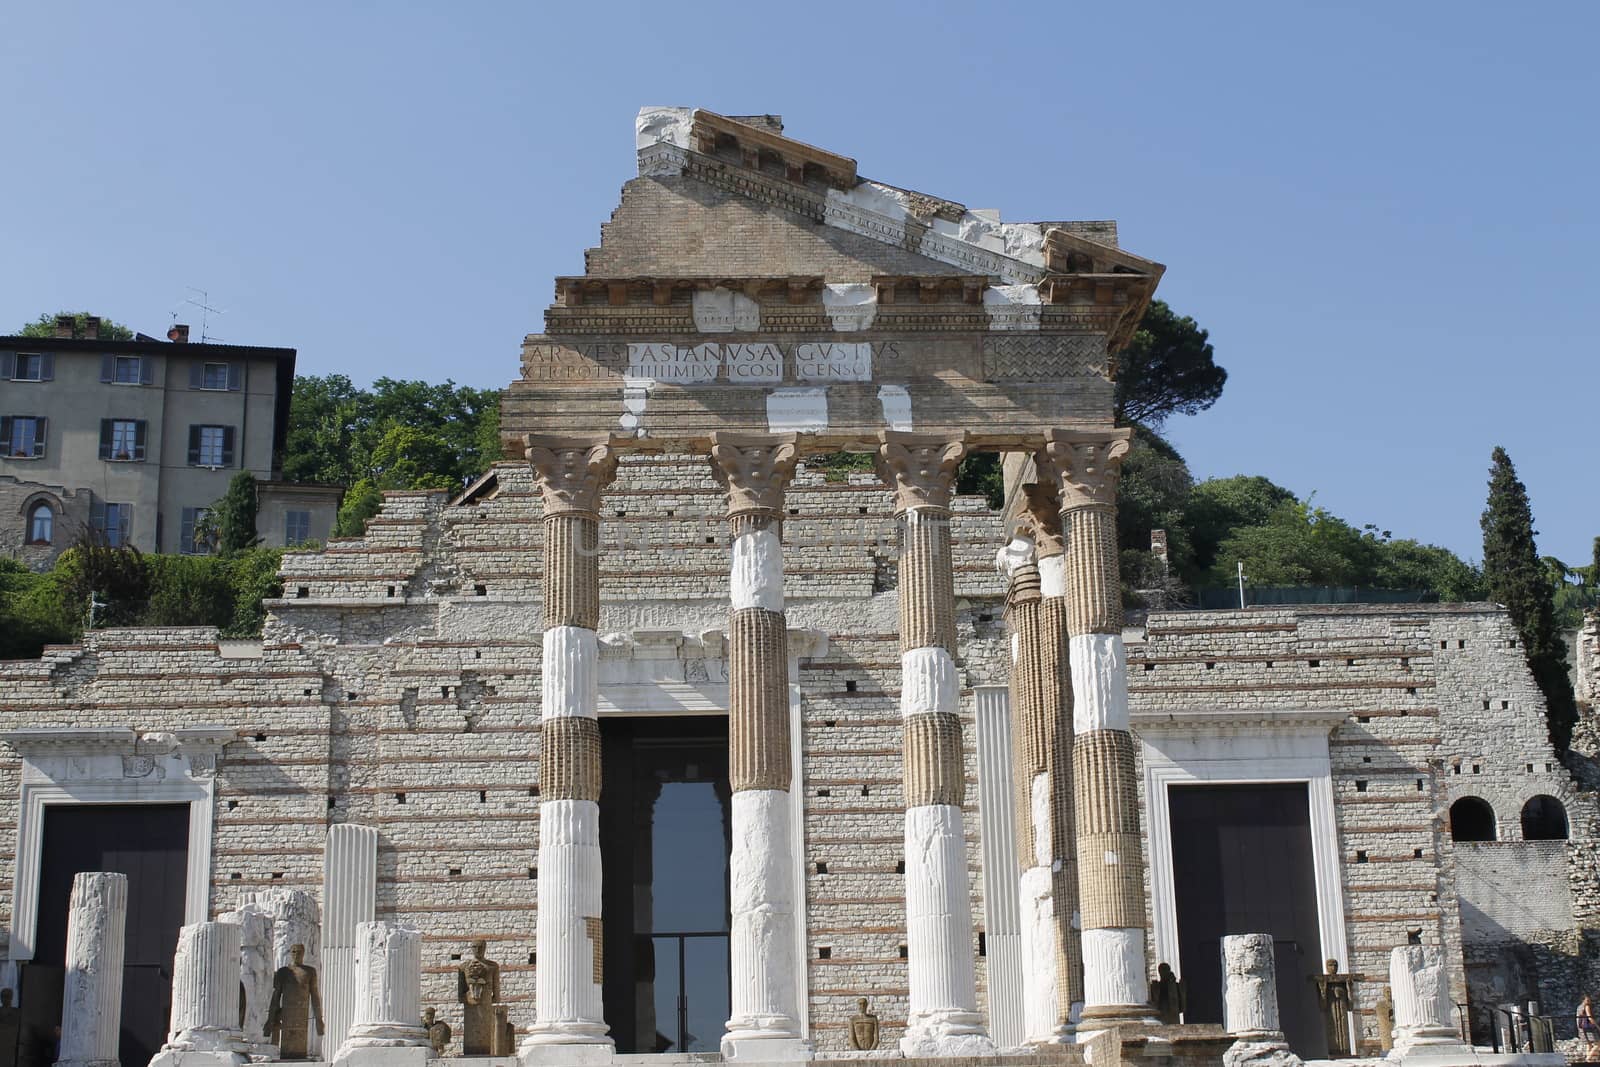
(206, 311)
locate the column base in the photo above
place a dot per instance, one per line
(383, 1035)
(950, 1033)
(755, 1046)
(382, 1055)
(172, 1057)
(1260, 1050)
(1117, 1017)
(572, 1043)
(205, 1039)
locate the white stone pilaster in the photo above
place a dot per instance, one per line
(91, 1004)
(349, 894)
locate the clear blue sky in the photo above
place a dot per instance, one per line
(1384, 213)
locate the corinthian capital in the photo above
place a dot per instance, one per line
(920, 467)
(755, 468)
(1041, 516)
(571, 471)
(1088, 464)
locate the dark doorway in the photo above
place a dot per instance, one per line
(664, 840)
(150, 844)
(1242, 864)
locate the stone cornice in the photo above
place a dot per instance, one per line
(1223, 721)
(921, 468)
(709, 131)
(570, 471)
(1088, 465)
(755, 469)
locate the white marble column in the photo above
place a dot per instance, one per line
(256, 967)
(1421, 988)
(205, 999)
(388, 989)
(570, 473)
(91, 1005)
(943, 1019)
(1250, 1003)
(765, 1019)
(296, 920)
(349, 894)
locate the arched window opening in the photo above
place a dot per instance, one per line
(1471, 819)
(41, 524)
(1544, 818)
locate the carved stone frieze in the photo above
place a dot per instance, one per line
(921, 468)
(754, 468)
(571, 471)
(1088, 463)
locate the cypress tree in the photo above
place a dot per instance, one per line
(1515, 577)
(235, 515)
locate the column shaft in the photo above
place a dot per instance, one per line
(349, 894)
(570, 472)
(1105, 808)
(205, 989)
(388, 980)
(765, 1001)
(91, 1003)
(943, 1017)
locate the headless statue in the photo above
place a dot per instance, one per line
(296, 1002)
(478, 990)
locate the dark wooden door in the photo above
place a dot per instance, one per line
(1242, 864)
(150, 844)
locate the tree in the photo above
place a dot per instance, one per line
(1167, 368)
(1218, 506)
(1515, 577)
(1408, 564)
(234, 515)
(361, 501)
(1298, 545)
(45, 326)
(410, 458)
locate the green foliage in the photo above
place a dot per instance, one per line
(1154, 493)
(235, 515)
(1168, 368)
(252, 576)
(980, 473)
(187, 591)
(1218, 506)
(1407, 564)
(45, 326)
(361, 501)
(1297, 545)
(397, 435)
(31, 614)
(1515, 576)
(836, 466)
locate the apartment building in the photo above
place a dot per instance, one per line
(136, 439)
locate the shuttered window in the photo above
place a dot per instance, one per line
(296, 527)
(211, 446)
(192, 524)
(216, 376)
(122, 440)
(113, 521)
(23, 436)
(28, 366)
(127, 370)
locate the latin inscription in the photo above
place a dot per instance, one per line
(760, 363)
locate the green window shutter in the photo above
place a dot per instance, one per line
(138, 439)
(235, 377)
(105, 438)
(147, 370)
(47, 367)
(197, 375)
(41, 433)
(227, 446)
(97, 515)
(108, 368)
(8, 365)
(124, 522)
(5, 435)
(194, 446)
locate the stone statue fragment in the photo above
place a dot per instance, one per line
(296, 1004)
(1335, 997)
(478, 991)
(863, 1028)
(1166, 996)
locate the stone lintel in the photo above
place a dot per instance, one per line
(755, 469)
(709, 130)
(571, 471)
(920, 467)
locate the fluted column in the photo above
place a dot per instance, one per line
(205, 989)
(943, 1018)
(349, 894)
(1106, 808)
(1250, 988)
(91, 1002)
(765, 1021)
(1043, 515)
(387, 1010)
(256, 968)
(1421, 999)
(570, 472)
(1030, 741)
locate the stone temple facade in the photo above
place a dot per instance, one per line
(940, 771)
